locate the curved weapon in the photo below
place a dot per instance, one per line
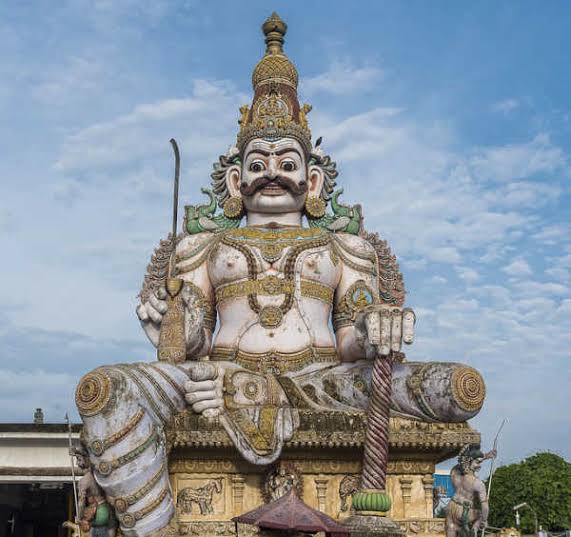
(493, 462)
(172, 345)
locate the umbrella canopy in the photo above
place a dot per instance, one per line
(290, 513)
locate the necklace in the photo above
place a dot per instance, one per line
(271, 243)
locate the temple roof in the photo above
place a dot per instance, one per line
(290, 513)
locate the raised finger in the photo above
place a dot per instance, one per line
(159, 305)
(200, 386)
(373, 323)
(203, 405)
(142, 313)
(155, 316)
(203, 371)
(396, 330)
(196, 397)
(161, 293)
(385, 342)
(408, 320)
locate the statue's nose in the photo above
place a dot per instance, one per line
(272, 168)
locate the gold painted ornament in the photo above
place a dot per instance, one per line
(315, 207)
(233, 207)
(271, 316)
(93, 393)
(172, 341)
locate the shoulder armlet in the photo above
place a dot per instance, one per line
(358, 296)
(354, 253)
(191, 253)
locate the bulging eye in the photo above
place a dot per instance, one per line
(288, 166)
(257, 166)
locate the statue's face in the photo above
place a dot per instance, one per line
(476, 464)
(82, 461)
(274, 176)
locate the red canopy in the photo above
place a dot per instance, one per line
(290, 513)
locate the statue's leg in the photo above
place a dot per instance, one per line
(451, 528)
(124, 410)
(437, 391)
(431, 391)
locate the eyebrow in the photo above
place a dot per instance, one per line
(278, 152)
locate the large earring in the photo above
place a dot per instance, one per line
(233, 207)
(314, 207)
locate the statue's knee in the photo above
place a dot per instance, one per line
(468, 389)
(98, 391)
(438, 391)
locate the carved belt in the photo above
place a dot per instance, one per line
(272, 285)
(276, 363)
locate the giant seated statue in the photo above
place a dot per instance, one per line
(272, 335)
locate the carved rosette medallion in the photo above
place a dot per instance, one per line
(468, 389)
(93, 393)
(271, 316)
(271, 252)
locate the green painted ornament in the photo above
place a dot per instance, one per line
(376, 502)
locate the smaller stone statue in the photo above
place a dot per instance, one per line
(94, 514)
(467, 512)
(280, 480)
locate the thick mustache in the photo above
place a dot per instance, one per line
(285, 182)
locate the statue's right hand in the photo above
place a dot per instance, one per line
(204, 391)
(151, 313)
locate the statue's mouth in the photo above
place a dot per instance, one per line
(273, 190)
(273, 186)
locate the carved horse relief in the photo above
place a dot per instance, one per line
(201, 496)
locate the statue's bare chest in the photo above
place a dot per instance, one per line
(273, 269)
(250, 254)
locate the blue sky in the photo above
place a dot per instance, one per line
(450, 123)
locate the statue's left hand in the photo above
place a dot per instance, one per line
(381, 329)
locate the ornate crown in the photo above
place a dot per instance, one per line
(275, 110)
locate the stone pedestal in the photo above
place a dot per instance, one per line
(212, 483)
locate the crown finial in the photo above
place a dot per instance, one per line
(275, 110)
(274, 29)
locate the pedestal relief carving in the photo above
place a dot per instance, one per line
(200, 496)
(428, 484)
(321, 490)
(348, 486)
(406, 492)
(238, 493)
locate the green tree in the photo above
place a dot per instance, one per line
(544, 482)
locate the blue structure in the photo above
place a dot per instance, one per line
(444, 481)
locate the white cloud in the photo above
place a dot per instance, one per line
(518, 161)
(552, 234)
(204, 122)
(468, 274)
(531, 288)
(449, 211)
(76, 76)
(506, 106)
(518, 267)
(342, 78)
(559, 274)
